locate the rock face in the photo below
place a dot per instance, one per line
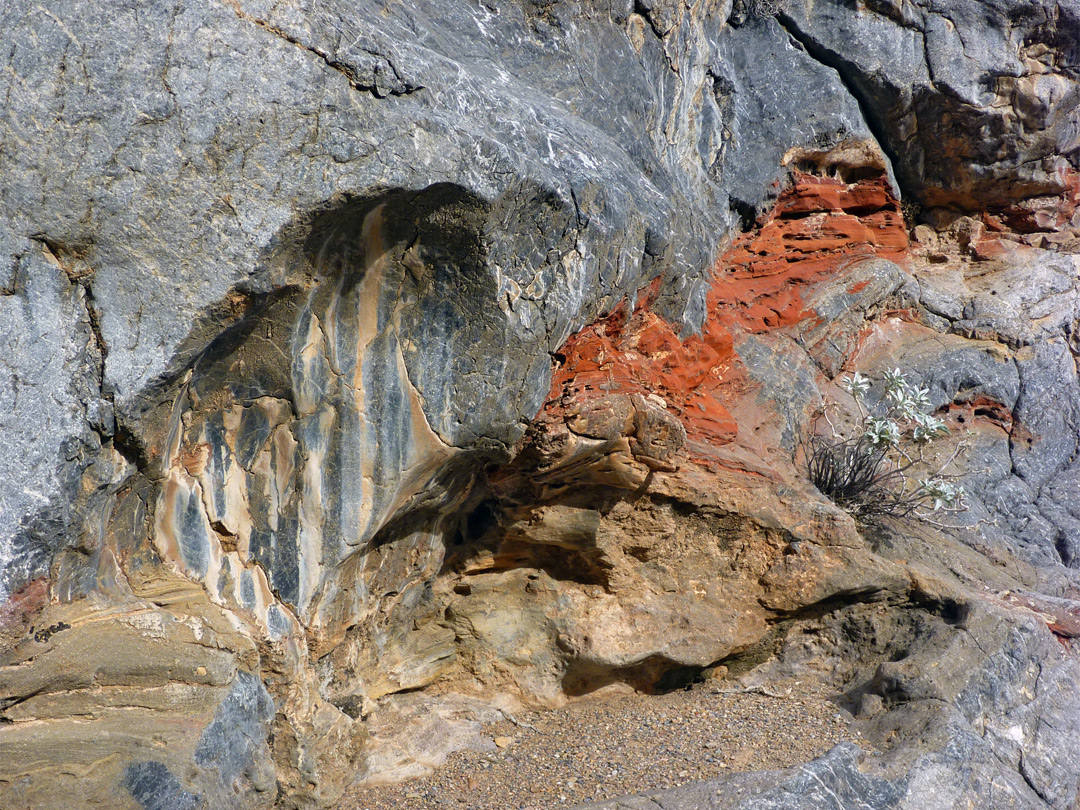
(372, 369)
(975, 102)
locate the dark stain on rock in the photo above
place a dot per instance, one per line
(44, 634)
(235, 740)
(154, 787)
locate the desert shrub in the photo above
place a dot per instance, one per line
(765, 8)
(911, 212)
(872, 472)
(743, 10)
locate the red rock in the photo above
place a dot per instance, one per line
(23, 603)
(816, 228)
(1048, 213)
(982, 407)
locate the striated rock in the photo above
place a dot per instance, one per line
(360, 363)
(160, 703)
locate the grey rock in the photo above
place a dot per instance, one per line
(960, 370)
(50, 398)
(280, 282)
(834, 781)
(1059, 505)
(1046, 411)
(798, 104)
(785, 375)
(1019, 301)
(153, 786)
(914, 66)
(1002, 708)
(833, 336)
(1019, 308)
(233, 747)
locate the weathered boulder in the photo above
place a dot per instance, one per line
(979, 699)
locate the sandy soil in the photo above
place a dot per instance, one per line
(607, 747)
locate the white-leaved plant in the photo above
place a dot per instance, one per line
(872, 472)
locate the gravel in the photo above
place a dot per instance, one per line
(607, 747)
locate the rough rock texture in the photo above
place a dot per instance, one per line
(975, 102)
(833, 781)
(361, 361)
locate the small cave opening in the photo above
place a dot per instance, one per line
(1064, 550)
(856, 174)
(862, 210)
(476, 522)
(480, 520)
(791, 215)
(746, 213)
(953, 612)
(655, 675)
(678, 677)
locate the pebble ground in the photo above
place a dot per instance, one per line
(607, 747)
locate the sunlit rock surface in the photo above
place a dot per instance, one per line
(369, 371)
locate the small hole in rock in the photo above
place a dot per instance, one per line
(478, 522)
(953, 612)
(677, 678)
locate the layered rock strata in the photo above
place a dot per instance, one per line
(368, 371)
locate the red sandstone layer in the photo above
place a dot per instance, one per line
(816, 228)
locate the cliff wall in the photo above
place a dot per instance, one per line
(361, 360)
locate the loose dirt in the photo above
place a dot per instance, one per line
(606, 747)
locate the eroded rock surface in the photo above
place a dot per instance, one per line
(369, 371)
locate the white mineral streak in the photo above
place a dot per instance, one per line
(237, 516)
(273, 467)
(307, 392)
(212, 579)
